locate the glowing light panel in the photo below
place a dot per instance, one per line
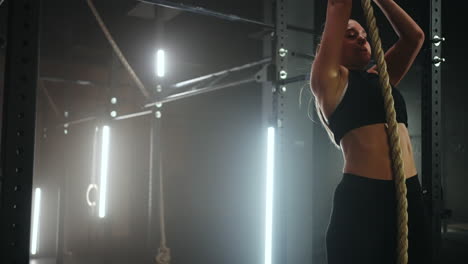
(104, 170)
(269, 195)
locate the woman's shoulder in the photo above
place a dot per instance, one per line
(329, 100)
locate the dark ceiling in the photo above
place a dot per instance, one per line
(73, 47)
(194, 43)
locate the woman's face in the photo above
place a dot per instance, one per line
(356, 52)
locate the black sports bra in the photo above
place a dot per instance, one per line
(363, 104)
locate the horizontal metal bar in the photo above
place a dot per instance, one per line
(165, 100)
(133, 115)
(217, 74)
(79, 82)
(199, 91)
(76, 122)
(294, 79)
(91, 118)
(204, 11)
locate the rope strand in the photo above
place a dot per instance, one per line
(393, 136)
(164, 255)
(117, 50)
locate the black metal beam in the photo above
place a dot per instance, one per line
(18, 129)
(299, 78)
(132, 115)
(204, 11)
(77, 82)
(228, 17)
(220, 73)
(171, 98)
(431, 128)
(280, 58)
(215, 77)
(191, 93)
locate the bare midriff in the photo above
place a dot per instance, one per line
(367, 153)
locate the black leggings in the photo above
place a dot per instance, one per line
(363, 226)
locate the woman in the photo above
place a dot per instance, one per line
(363, 227)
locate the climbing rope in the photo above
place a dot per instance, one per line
(393, 137)
(117, 50)
(164, 255)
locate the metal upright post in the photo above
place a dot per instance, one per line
(273, 114)
(19, 129)
(431, 128)
(279, 56)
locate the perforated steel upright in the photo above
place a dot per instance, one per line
(279, 58)
(431, 127)
(18, 129)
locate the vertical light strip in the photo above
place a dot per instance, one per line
(104, 170)
(36, 217)
(269, 195)
(160, 63)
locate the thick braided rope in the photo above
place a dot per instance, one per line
(117, 50)
(164, 255)
(394, 139)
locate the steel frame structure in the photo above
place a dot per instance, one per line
(18, 129)
(19, 115)
(431, 117)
